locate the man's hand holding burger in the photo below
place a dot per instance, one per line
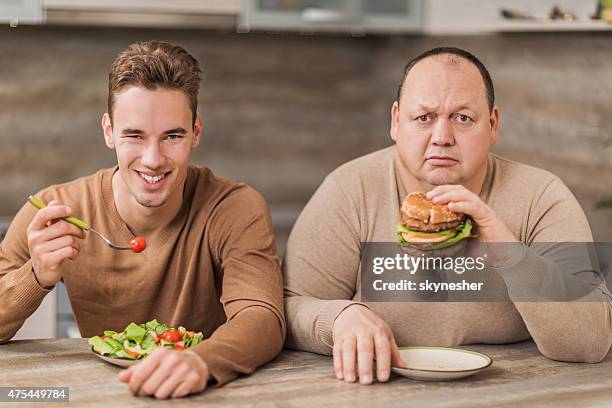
(461, 200)
(443, 217)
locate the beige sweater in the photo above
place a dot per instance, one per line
(359, 202)
(212, 269)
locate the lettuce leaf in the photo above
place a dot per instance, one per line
(160, 329)
(135, 332)
(462, 231)
(152, 325)
(401, 228)
(100, 346)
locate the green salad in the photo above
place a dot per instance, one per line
(137, 341)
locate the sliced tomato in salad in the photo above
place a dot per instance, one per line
(171, 336)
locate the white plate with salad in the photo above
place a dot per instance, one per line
(137, 341)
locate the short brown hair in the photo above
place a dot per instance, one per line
(152, 65)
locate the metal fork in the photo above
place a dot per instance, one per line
(79, 223)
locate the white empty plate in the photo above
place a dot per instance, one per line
(440, 363)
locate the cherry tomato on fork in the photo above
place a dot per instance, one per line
(138, 244)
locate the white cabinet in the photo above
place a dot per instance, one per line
(43, 323)
(21, 11)
(354, 16)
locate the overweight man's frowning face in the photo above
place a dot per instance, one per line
(442, 124)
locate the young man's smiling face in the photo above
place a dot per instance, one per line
(153, 136)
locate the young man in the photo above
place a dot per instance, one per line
(444, 123)
(210, 264)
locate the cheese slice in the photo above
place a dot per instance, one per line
(424, 237)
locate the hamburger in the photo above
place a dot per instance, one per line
(426, 225)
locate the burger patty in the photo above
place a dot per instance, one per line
(417, 225)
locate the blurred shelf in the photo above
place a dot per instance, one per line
(532, 26)
(504, 26)
(221, 7)
(156, 20)
(474, 17)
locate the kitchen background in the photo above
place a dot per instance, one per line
(294, 88)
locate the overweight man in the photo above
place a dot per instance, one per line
(444, 123)
(210, 264)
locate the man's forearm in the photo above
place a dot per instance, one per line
(21, 295)
(310, 322)
(569, 331)
(569, 318)
(251, 338)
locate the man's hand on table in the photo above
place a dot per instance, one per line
(167, 374)
(359, 336)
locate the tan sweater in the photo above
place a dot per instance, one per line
(359, 202)
(213, 269)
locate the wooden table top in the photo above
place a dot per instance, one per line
(520, 376)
